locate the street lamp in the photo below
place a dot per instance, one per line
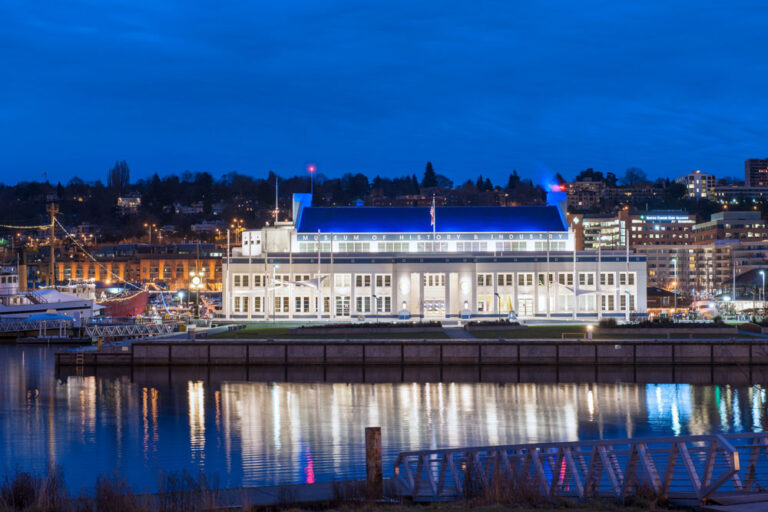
(762, 274)
(196, 283)
(274, 291)
(376, 305)
(574, 222)
(149, 227)
(498, 304)
(674, 262)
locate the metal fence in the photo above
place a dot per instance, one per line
(128, 330)
(687, 467)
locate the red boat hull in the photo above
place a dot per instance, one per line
(132, 305)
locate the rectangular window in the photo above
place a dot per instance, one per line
(237, 304)
(362, 280)
(258, 281)
(342, 306)
(586, 279)
(484, 279)
(504, 279)
(257, 304)
(383, 280)
(384, 304)
(393, 247)
(525, 279)
(342, 280)
(282, 304)
(237, 280)
(245, 304)
(432, 280)
(363, 304)
(607, 279)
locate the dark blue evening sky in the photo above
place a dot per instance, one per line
(475, 87)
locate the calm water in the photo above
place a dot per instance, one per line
(256, 433)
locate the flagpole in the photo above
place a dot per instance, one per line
(434, 222)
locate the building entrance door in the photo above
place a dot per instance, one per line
(526, 307)
(434, 308)
(434, 295)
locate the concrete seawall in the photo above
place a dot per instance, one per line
(425, 352)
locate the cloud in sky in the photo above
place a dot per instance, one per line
(381, 87)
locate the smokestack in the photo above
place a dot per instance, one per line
(22, 277)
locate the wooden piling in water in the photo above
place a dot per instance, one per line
(373, 464)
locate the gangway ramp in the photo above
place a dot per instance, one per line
(702, 469)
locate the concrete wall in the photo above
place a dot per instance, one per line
(430, 352)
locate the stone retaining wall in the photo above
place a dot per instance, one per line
(430, 352)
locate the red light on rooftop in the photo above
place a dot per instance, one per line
(311, 168)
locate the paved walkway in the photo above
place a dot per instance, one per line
(455, 331)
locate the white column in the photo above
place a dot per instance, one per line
(421, 294)
(598, 296)
(447, 293)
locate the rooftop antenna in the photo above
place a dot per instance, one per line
(276, 201)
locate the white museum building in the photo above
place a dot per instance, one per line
(388, 263)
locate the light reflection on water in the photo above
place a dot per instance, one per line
(256, 433)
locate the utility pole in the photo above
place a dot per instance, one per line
(52, 209)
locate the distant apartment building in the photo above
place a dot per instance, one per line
(705, 269)
(129, 203)
(645, 228)
(636, 195)
(746, 225)
(141, 263)
(585, 195)
(737, 194)
(756, 172)
(698, 185)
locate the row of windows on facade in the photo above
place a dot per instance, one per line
(467, 246)
(505, 303)
(153, 271)
(309, 304)
(340, 280)
(438, 279)
(485, 304)
(563, 278)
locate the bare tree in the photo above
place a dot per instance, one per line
(119, 177)
(634, 176)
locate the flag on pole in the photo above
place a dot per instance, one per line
(432, 213)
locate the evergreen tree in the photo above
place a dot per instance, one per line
(514, 180)
(430, 178)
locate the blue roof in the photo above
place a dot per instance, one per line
(450, 219)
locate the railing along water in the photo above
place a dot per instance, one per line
(686, 467)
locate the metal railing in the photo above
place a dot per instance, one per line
(128, 330)
(22, 325)
(686, 467)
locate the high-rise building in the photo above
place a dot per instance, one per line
(698, 185)
(756, 172)
(645, 228)
(745, 225)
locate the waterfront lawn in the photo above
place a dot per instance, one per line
(555, 332)
(260, 332)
